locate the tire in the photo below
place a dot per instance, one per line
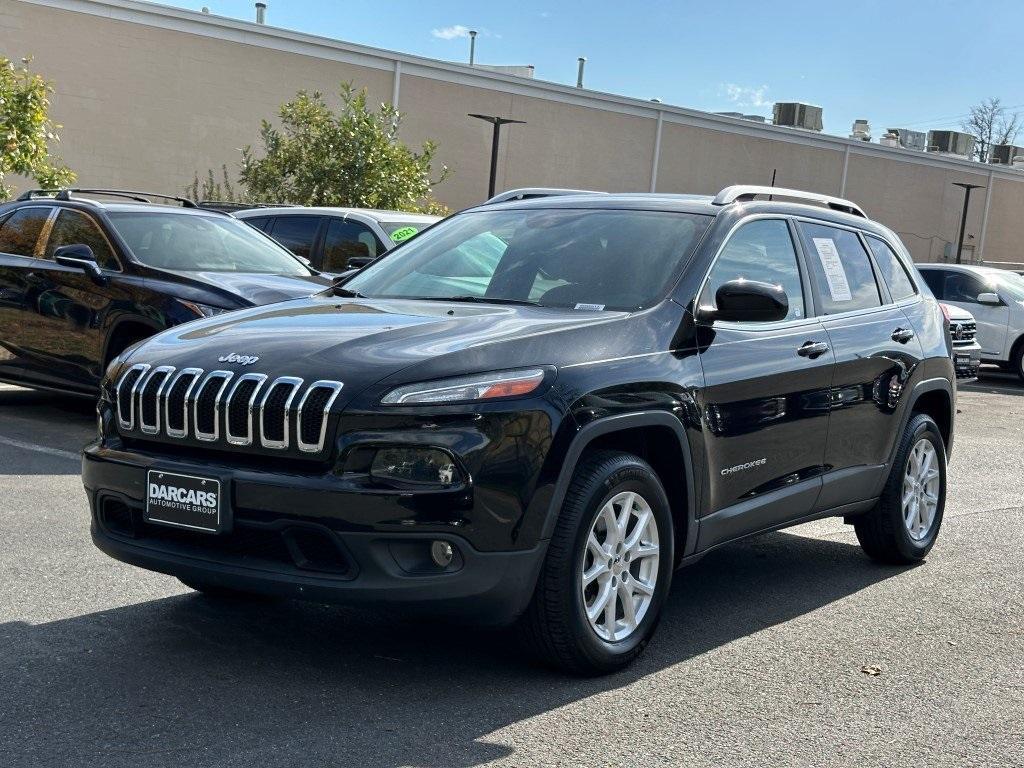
(884, 533)
(1016, 364)
(555, 626)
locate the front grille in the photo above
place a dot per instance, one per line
(219, 406)
(963, 332)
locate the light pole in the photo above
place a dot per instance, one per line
(472, 47)
(963, 219)
(497, 122)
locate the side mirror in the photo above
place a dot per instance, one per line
(79, 256)
(749, 301)
(989, 298)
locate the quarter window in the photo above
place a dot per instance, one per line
(840, 269)
(893, 271)
(73, 228)
(19, 233)
(761, 251)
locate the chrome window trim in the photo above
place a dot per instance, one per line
(210, 437)
(197, 374)
(129, 425)
(259, 378)
(318, 446)
(295, 384)
(146, 429)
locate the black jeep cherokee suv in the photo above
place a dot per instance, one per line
(537, 411)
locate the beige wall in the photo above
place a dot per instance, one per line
(146, 105)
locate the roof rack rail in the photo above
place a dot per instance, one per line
(32, 194)
(529, 193)
(227, 206)
(131, 194)
(742, 192)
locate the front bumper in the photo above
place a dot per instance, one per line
(279, 544)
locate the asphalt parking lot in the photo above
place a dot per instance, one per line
(791, 649)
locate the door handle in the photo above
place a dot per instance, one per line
(813, 349)
(902, 335)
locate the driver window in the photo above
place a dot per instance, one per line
(73, 228)
(761, 251)
(964, 288)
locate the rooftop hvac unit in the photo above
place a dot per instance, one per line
(917, 140)
(861, 130)
(1003, 154)
(890, 139)
(796, 115)
(951, 143)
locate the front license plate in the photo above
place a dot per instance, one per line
(184, 501)
(964, 360)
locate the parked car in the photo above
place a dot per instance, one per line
(995, 297)
(336, 240)
(691, 372)
(82, 279)
(966, 349)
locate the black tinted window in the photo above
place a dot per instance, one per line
(74, 228)
(296, 233)
(19, 233)
(761, 251)
(964, 287)
(260, 222)
(347, 240)
(840, 268)
(895, 276)
(935, 279)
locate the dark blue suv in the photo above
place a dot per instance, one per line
(82, 279)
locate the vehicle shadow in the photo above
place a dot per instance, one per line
(189, 680)
(42, 433)
(994, 381)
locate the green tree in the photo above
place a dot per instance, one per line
(349, 157)
(210, 189)
(26, 129)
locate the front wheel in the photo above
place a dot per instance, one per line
(607, 570)
(903, 527)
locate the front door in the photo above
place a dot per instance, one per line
(66, 320)
(765, 398)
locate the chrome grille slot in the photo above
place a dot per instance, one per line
(312, 414)
(275, 412)
(239, 408)
(176, 401)
(126, 389)
(206, 405)
(150, 391)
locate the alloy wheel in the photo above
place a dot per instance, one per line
(921, 485)
(620, 566)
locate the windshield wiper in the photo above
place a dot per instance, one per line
(347, 293)
(485, 300)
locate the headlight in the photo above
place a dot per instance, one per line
(484, 386)
(201, 310)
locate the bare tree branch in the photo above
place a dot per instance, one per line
(991, 125)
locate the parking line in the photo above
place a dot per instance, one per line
(70, 455)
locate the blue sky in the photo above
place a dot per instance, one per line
(898, 63)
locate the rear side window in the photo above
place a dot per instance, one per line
(895, 276)
(840, 269)
(74, 228)
(935, 279)
(297, 233)
(260, 222)
(20, 231)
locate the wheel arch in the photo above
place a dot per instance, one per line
(659, 438)
(124, 333)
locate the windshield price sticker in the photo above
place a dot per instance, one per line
(828, 254)
(403, 234)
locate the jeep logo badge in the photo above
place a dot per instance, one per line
(239, 359)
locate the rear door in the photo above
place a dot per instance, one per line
(765, 397)
(876, 351)
(66, 324)
(19, 238)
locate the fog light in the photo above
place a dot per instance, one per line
(441, 553)
(414, 466)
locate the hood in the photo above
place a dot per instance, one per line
(957, 313)
(250, 287)
(361, 341)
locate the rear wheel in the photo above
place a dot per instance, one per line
(903, 527)
(1017, 360)
(608, 568)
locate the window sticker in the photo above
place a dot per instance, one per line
(838, 285)
(403, 234)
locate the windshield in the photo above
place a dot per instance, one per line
(191, 243)
(584, 259)
(1010, 284)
